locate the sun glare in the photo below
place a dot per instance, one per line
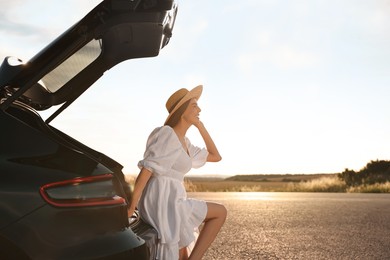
(254, 195)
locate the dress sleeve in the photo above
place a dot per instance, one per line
(161, 151)
(198, 155)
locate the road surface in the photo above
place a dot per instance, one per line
(302, 226)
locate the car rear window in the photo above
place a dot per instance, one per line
(58, 77)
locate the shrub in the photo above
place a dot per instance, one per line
(374, 172)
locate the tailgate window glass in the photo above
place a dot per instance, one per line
(58, 77)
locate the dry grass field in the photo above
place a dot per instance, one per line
(233, 186)
(252, 183)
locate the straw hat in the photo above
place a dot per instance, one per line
(177, 99)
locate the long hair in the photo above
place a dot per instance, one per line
(175, 118)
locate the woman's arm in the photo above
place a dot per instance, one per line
(140, 183)
(214, 155)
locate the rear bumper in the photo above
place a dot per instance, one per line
(147, 233)
(119, 245)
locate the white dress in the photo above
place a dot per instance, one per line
(164, 203)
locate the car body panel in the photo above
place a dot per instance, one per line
(61, 199)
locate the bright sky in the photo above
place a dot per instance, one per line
(289, 86)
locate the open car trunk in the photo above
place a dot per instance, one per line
(114, 31)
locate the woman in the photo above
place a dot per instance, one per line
(159, 192)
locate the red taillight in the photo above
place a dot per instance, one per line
(82, 192)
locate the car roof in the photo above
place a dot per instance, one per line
(114, 31)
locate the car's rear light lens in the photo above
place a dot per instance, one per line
(82, 192)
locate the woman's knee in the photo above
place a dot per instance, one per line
(216, 210)
(223, 211)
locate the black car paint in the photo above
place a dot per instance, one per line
(33, 153)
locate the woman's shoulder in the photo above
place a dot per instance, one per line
(162, 133)
(164, 138)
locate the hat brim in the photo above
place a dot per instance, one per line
(193, 93)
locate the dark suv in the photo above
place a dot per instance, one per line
(59, 198)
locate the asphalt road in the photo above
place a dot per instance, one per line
(302, 226)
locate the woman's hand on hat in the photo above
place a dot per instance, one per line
(213, 155)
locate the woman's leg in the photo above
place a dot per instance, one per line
(216, 215)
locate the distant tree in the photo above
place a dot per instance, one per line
(374, 172)
(350, 177)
